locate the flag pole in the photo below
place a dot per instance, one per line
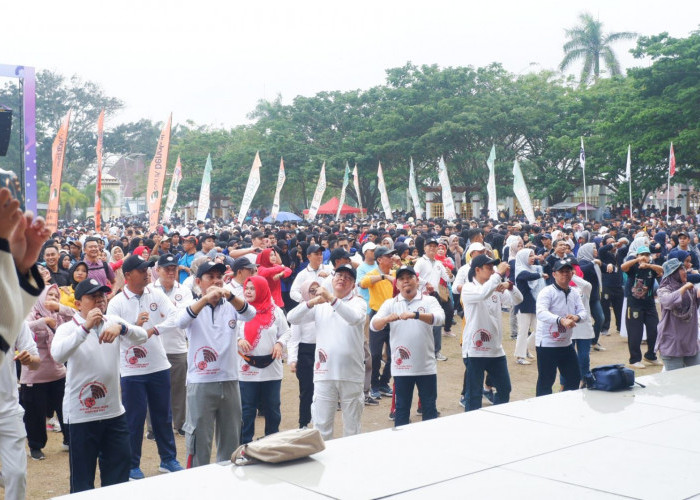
(629, 174)
(583, 167)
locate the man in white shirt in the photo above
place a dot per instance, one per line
(339, 368)
(145, 369)
(411, 316)
(316, 271)
(242, 269)
(92, 405)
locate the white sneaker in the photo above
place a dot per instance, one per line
(655, 362)
(598, 347)
(530, 356)
(440, 357)
(522, 361)
(605, 332)
(639, 365)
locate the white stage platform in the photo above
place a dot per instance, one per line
(642, 443)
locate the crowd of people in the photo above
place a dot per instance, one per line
(185, 329)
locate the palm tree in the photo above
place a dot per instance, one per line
(588, 42)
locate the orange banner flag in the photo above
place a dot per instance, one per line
(156, 176)
(98, 184)
(58, 154)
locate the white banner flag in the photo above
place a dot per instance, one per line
(356, 183)
(448, 204)
(491, 186)
(172, 194)
(250, 188)
(346, 181)
(382, 192)
(280, 182)
(203, 205)
(414, 192)
(520, 190)
(318, 194)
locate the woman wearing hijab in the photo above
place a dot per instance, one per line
(41, 390)
(64, 261)
(270, 268)
(514, 244)
(77, 273)
(590, 266)
(260, 344)
(529, 279)
(115, 262)
(677, 341)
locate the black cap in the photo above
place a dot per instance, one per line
(210, 266)
(347, 268)
(565, 262)
(313, 249)
(88, 287)
(483, 260)
(136, 262)
(337, 254)
(242, 263)
(405, 269)
(430, 241)
(383, 251)
(167, 260)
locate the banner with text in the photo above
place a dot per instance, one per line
(281, 177)
(172, 193)
(156, 176)
(318, 194)
(251, 188)
(204, 191)
(58, 154)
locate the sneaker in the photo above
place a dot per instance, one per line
(462, 402)
(440, 357)
(488, 394)
(170, 466)
(639, 365)
(522, 361)
(447, 333)
(150, 436)
(392, 415)
(606, 333)
(375, 394)
(65, 447)
(135, 474)
(385, 390)
(180, 432)
(37, 454)
(655, 362)
(598, 347)
(370, 401)
(530, 356)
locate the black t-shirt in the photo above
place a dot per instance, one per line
(60, 277)
(640, 287)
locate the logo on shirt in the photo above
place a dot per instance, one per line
(421, 310)
(639, 291)
(322, 359)
(480, 338)
(154, 306)
(204, 357)
(232, 324)
(556, 330)
(89, 397)
(178, 297)
(402, 356)
(136, 356)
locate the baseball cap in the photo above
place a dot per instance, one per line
(167, 260)
(339, 253)
(368, 246)
(347, 268)
(90, 286)
(643, 249)
(136, 262)
(546, 235)
(383, 251)
(210, 266)
(313, 249)
(483, 260)
(405, 269)
(431, 241)
(475, 247)
(565, 262)
(242, 263)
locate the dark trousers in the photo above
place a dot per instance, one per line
(150, 391)
(549, 359)
(598, 318)
(268, 393)
(636, 320)
(377, 340)
(38, 401)
(612, 297)
(498, 373)
(305, 375)
(106, 441)
(403, 393)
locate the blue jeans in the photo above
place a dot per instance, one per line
(437, 337)
(497, 369)
(152, 390)
(268, 394)
(598, 318)
(549, 359)
(106, 441)
(427, 394)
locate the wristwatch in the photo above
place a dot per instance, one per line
(417, 315)
(123, 330)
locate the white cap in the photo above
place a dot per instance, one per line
(368, 246)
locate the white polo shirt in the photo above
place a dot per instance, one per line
(278, 331)
(175, 342)
(553, 303)
(9, 397)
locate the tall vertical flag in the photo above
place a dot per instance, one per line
(251, 188)
(58, 154)
(628, 173)
(156, 176)
(671, 173)
(281, 177)
(491, 186)
(582, 160)
(98, 183)
(346, 181)
(382, 193)
(520, 190)
(172, 193)
(448, 204)
(204, 191)
(356, 183)
(318, 194)
(414, 192)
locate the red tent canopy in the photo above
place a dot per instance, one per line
(331, 207)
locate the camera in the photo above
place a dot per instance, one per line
(9, 180)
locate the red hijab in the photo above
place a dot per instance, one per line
(264, 307)
(264, 259)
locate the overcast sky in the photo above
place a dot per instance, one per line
(211, 61)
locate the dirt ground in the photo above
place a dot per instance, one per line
(49, 477)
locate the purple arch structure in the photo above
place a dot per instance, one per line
(27, 78)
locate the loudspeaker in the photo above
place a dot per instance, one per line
(5, 129)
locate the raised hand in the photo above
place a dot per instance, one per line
(27, 239)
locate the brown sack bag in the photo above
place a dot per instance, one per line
(280, 447)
